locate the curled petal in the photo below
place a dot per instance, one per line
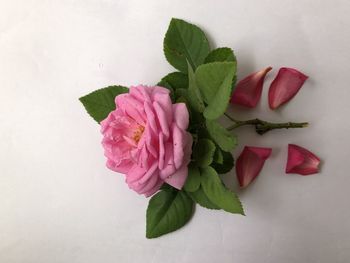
(181, 115)
(123, 167)
(178, 179)
(285, 86)
(169, 166)
(178, 145)
(131, 107)
(250, 163)
(161, 151)
(248, 91)
(154, 189)
(162, 118)
(301, 161)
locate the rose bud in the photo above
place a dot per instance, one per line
(248, 91)
(285, 86)
(145, 138)
(250, 162)
(301, 161)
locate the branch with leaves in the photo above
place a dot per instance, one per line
(204, 82)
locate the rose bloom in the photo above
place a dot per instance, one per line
(145, 138)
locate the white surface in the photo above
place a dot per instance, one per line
(60, 204)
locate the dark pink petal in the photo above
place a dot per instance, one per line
(248, 91)
(250, 163)
(301, 161)
(285, 86)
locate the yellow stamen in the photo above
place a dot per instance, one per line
(138, 133)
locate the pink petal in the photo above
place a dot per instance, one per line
(250, 162)
(131, 107)
(162, 119)
(178, 179)
(169, 166)
(141, 92)
(123, 167)
(154, 189)
(248, 91)
(301, 161)
(181, 115)
(188, 148)
(143, 158)
(151, 117)
(134, 174)
(285, 86)
(150, 172)
(150, 184)
(161, 151)
(178, 145)
(161, 96)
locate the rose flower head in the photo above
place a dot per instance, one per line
(145, 138)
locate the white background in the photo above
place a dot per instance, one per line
(58, 202)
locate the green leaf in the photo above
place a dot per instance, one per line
(200, 198)
(194, 96)
(184, 41)
(167, 187)
(225, 139)
(167, 211)
(193, 179)
(214, 81)
(203, 152)
(220, 55)
(218, 156)
(177, 80)
(101, 102)
(218, 193)
(226, 165)
(181, 93)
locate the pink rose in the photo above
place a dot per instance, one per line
(145, 138)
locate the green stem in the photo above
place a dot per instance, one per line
(262, 127)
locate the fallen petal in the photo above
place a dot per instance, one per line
(250, 162)
(285, 86)
(301, 161)
(248, 91)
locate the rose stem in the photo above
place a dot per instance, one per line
(262, 127)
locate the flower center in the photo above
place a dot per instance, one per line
(138, 133)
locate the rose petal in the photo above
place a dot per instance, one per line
(123, 167)
(188, 148)
(285, 86)
(249, 164)
(134, 174)
(131, 107)
(162, 119)
(301, 161)
(141, 92)
(151, 117)
(161, 151)
(149, 173)
(154, 189)
(181, 115)
(150, 184)
(161, 96)
(178, 145)
(178, 179)
(248, 91)
(169, 166)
